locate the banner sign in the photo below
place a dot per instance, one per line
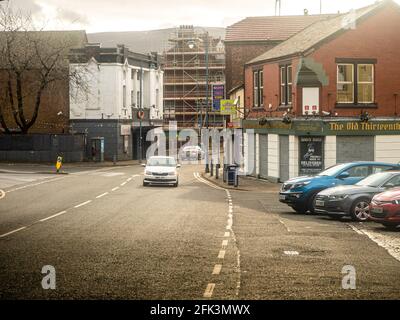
(228, 107)
(218, 93)
(311, 155)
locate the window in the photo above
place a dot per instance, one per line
(365, 83)
(132, 74)
(394, 182)
(355, 83)
(124, 96)
(258, 85)
(138, 99)
(358, 171)
(345, 83)
(132, 98)
(138, 75)
(286, 84)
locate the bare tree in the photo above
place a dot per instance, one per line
(31, 62)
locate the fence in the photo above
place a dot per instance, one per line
(42, 147)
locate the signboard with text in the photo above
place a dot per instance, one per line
(311, 155)
(228, 107)
(218, 93)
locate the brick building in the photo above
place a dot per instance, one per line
(332, 90)
(251, 37)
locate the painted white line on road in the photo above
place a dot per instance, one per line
(11, 232)
(291, 253)
(2, 194)
(209, 290)
(390, 243)
(102, 195)
(197, 176)
(217, 269)
(221, 254)
(115, 189)
(34, 184)
(224, 243)
(284, 224)
(129, 179)
(53, 216)
(123, 183)
(227, 234)
(83, 204)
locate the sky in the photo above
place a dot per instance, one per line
(132, 15)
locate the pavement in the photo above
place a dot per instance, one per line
(108, 237)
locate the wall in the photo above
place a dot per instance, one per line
(42, 148)
(237, 54)
(293, 156)
(387, 149)
(330, 151)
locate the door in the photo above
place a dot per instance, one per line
(263, 155)
(283, 158)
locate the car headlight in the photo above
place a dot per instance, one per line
(300, 184)
(397, 201)
(172, 173)
(338, 197)
(148, 173)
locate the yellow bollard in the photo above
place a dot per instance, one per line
(59, 164)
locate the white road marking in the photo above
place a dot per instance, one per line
(227, 234)
(224, 243)
(291, 253)
(129, 179)
(209, 290)
(197, 176)
(390, 243)
(114, 189)
(53, 216)
(83, 204)
(221, 254)
(123, 183)
(284, 224)
(34, 184)
(102, 195)
(2, 194)
(11, 232)
(217, 269)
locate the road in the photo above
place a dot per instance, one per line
(108, 237)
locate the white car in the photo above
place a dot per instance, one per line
(161, 170)
(192, 153)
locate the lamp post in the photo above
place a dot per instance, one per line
(140, 116)
(206, 47)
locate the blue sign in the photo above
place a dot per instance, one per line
(218, 94)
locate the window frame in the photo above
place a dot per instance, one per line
(258, 88)
(284, 99)
(355, 63)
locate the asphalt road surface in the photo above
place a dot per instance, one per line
(108, 237)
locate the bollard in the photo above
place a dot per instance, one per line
(217, 166)
(59, 163)
(114, 159)
(211, 168)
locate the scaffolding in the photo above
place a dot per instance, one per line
(185, 78)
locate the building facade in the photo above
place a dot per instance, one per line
(191, 59)
(327, 95)
(253, 36)
(123, 100)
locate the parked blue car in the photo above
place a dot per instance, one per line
(299, 193)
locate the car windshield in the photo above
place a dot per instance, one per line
(375, 180)
(332, 171)
(161, 162)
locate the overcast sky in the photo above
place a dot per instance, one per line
(129, 15)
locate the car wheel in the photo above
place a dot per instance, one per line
(300, 209)
(360, 209)
(145, 184)
(310, 205)
(176, 184)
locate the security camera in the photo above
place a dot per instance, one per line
(59, 113)
(326, 113)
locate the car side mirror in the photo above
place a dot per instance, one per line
(344, 175)
(389, 186)
(143, 165)
(178, 165)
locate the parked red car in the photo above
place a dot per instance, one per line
(385, 208)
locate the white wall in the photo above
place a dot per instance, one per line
(330, 151)
(293, 156)
(387, 149)
(273, 155)
(105, 95)
(257, 151)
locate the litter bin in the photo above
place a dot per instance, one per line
(232, 175)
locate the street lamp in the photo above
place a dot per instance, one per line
(191, 45)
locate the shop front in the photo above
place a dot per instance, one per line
(308, 146)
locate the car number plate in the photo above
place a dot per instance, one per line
(320, 203)
(282, 197)
(377, 210)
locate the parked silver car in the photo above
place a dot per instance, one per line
(354, 200)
